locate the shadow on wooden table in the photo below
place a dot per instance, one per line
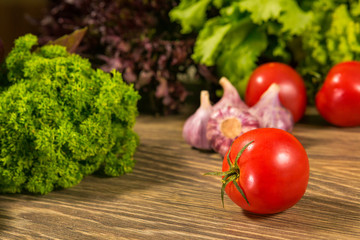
(255, 216)
(313, 117)
(314, 120)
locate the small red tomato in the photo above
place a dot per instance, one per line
(292, 87)
(338, 100)
(272, 171)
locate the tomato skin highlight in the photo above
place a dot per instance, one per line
(274, 171)
(292, 87)
(338, 100)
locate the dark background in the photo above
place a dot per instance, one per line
(14, 19)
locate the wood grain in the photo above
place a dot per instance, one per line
(167, 196)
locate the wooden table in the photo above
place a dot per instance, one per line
(167, 197)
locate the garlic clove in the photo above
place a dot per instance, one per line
(230, 97)
(270, 112)
(227, 124)
(194, 130)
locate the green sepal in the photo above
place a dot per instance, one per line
(217, 173)
(241, 151)
(241, 191)
(231, 175)
(228, 157)
(222, 194)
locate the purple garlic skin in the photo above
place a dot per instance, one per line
(227, 124)
(270, 112)
(194, 130)
(230, 97)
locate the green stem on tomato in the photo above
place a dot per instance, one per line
(232, 175)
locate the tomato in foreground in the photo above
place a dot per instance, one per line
(338, 100)
(272, 174)
(292, 87)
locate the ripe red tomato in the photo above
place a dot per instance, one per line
(292, 88)
(273, 171)
(338, 100)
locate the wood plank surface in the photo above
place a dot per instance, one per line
(167, 196)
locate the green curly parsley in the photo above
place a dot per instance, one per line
(61, 120)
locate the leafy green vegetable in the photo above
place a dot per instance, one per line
(310, 35)
(207, 46)
(61, 120)
(333, 37)
(192, 14)
(262, 10)
(243, 32)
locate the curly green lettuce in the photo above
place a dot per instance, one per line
(244, 31)
(61, 120)
(333, 37)
(310, 35)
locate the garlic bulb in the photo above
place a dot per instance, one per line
(270, 112)
(230, 97)
(226, 124)
(194, 130)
